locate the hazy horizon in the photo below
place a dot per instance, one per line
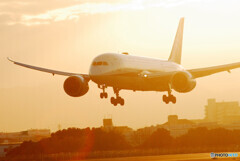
(67, 34)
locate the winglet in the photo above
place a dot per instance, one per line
(176, 52)
(10, 60)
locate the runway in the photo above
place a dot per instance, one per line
(174, 157)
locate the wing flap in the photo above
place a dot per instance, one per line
(49, 70)
(201, 72)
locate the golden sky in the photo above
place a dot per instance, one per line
(67, 34)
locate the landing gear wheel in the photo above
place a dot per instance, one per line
(121, 101)
(165, 99)
(105, 95)
(114, 101)
(173, 99)
(101, 95)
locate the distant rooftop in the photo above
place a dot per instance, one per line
(173, 119)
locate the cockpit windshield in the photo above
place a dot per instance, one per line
(100, 63)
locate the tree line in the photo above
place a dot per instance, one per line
(195, 138)
(90, 140)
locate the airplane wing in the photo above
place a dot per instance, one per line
(49, 70)
(202, 72)
(196, 73)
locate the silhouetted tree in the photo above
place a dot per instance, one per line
(202, 137)
(73, 140)
(87, 140)
(161, 138)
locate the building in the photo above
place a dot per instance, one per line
(220, 115)
(4, 147)
(177, 127)
(32, 134)
(37, 132)
(124, 130)
(107, 124)
(222, 112)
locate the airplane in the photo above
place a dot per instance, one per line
(127, 72)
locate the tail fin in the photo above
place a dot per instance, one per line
(176, 52)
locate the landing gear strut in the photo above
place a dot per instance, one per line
(169, 98)
(118, 99)
(103, 94)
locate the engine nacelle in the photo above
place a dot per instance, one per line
(76, 86)
(183, 82)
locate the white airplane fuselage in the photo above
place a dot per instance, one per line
(130, 72)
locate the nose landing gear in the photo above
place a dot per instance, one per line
(103, 94)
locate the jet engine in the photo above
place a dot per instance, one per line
(183, 82)
(76, 86)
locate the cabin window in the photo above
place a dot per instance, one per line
(94, 63)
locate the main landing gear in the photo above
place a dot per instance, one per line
(103, 94)
(118, 99)
(169, 98)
